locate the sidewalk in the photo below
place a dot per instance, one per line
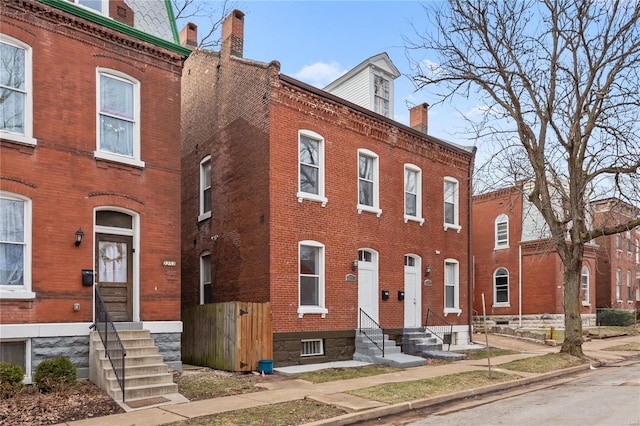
(363, 409)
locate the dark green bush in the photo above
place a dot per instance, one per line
(615, 317)
(11, 376)
(55, 374)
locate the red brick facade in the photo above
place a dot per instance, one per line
(64, 181)
(247, 117)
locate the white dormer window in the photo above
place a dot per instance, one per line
(100, 6)
(381, 95)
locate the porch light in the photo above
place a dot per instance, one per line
(427, 271)
(354, 265)
(79, 236)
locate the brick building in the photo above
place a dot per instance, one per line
(516, 266)
(89, 175)
(318, 205)
(618, 272)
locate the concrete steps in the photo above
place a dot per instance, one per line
(367, 351)
(145, 373)
(418, 342)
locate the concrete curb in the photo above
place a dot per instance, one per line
(401, 407)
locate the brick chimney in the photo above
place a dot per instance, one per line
(233, 34)
(419, 117)
(189, 36)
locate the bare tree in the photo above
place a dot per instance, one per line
(561, 83)
(208, 14)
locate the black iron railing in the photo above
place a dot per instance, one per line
(114, 349)
(371, 330)
(439, 327)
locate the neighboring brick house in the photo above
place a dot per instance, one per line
(516, 266)
(618, 273)
(89, 142)
(298, 197)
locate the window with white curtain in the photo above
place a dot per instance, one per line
(15, 246)
(118, 118)
(451, 286)
(368, 182)
(413, 193)
(16, 120)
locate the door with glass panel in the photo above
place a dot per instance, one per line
(114, 274)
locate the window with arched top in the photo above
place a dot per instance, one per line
(501, 287)
(502, 231)
(584, 284)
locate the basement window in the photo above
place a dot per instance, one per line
(312, 348)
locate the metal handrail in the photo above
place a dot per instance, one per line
(371, 330)
(114, 349)
(439, 327)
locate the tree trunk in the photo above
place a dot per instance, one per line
(572, 321)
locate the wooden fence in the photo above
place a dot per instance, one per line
(230, 336)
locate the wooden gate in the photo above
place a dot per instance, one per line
(230, 336)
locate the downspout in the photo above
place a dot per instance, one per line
(520, 285)
(469, 248)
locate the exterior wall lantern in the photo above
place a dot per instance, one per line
(427, 271)
(354, 265)
(79, 237)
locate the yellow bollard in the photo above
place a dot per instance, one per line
(553, 332)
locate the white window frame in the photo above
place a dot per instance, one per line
(585, 282)
(313, 344)
(495, 289)
(418, 194)
(135, 158)
(629, 285)
(27, 136)
(619, 285)
(104, 7)
(385, 102)
(618, 241)
(203, 213)
(637, 251)
(456, 288)
(627, 236)
(503, 243)
(28, 379)
(376, 183)
(320, 308)
(23, 292)
(455, 201)
(203, 277)
(320, 196)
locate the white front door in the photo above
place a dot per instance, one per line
(368, 283)
(412, 292)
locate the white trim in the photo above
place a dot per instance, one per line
(418, 171)
(104, 6)
(456, 287)
(495, 290)
(25, 138)
(320, 308)
(163, 326)
(314, 342)
(28, 377)
(135, 159)
(201, 275)
(588, 290)
(499, 220)
(456, 204)
(65, 329)
(24, 291)
(320, 196)
(202, 214)
(375, 208)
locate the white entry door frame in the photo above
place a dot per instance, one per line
(368, 283)
(412, 291)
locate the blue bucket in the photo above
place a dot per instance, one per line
(265, 366)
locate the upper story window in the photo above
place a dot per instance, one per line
(618, 284)
(451, 194)
(311, 278)
(628, 239)
(15, 246)
(381, 95)
(637, 251)
(502, 231)
(629, 293)
(585, 285)
(205, 189)
(618, 241)
(118, 137)
(501, 287)
(311, 167)
(100, 6)
(413, 193)
(451, 286)
(16, 106)
(205, 278)
(368, 182)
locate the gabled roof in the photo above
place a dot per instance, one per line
(380, 61)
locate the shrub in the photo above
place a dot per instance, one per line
(11, 376)
(615, 317)
(55, 374)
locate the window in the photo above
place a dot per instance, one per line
(451, 287)
(17, 352)
(205, 189)
(637, 287)
(368, 185)
(15, 246)
(413, 193)
(618, 285)
(16, 108)
(618, 241)
(584, 283)
(501, 287)
(451, 204)
(502, 231)
(381, 95)
(312, 347)
(101, 6)
(311, 278)
(629, 293)
(311, 167)
(205, 278)
(628, 239)
(118, 136)
(637, 251)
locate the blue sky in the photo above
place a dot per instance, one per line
(317, 41)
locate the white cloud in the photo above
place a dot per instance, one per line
(430, 68)
(320, 74)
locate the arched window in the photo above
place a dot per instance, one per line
(501, 287)
(584, 280)
(502, 231)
